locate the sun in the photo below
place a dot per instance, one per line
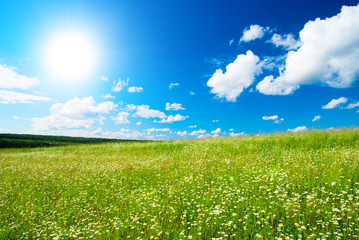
(70, 56)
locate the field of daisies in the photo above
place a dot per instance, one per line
(279, 186)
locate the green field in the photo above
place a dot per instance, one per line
(280, 186)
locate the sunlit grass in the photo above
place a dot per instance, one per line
(283, 186)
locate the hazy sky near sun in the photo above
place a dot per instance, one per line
(177, 69)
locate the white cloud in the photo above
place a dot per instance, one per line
(252, 33)
(145, 112)
(76, 113)
(184, 133)
(236, 134)
(328, 55)
(316, 118)
(279, 120)
(277, 86)
(204, 136)
(216, 120)
(107, 96)
(121, 118)
(286, 41)
(218, 130)
(238, 76)
(191, 93)
(335, 103)
(274, 117)
(104, 78)
(131, 107)
(134, 89)
(172, 119)
(118, 86)
(193, 126)
(138, 123)
(173, 85)
(352, 105)
(198, 132)
(16, 117)
(231, 42)
(298, 129)
(9, 79)
(7, 97)
(174, 106)
(214, 61)
(157, 130)
(123, 134)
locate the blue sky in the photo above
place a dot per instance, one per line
(177, 69)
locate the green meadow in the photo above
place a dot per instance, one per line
(278, 186)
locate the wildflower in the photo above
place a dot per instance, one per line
(258, 235)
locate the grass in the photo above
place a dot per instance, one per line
(280, 186)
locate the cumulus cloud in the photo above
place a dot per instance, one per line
(76, 113)
(286, 41)
(145, 112)
(119, 85)
(279, 120)
(238, 76)
(134, 89)
(172, 85)
(276, 86)
(174, 106)
(203, 136)
(184, 133)
(192, 126)
(328, 55)
(138, 123)
(123, 133)
(316, 118)
(218, 130)
(10, 79)
(131, 107)
(157, 130)
(236, 134)
(121, 118)
(191, 93)
(298, 129)
(352, 105)
(275, 118)
(335, 103)
(171, 119)
(107, 96)
(7, 97)
(252, 33)
(216, 120)
(198, 132)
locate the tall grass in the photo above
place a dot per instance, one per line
(280, 186)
